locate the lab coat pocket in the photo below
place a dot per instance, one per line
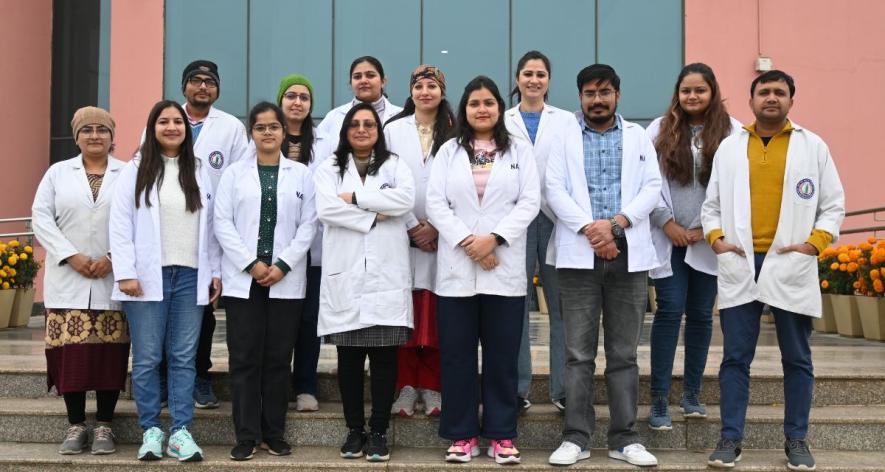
(800, 271)
(733, 270)
(339, 292)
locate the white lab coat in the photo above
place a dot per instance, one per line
(569, 197)
(331, 124)
(698, 256)
(511, 201)
(813, 198)
(365, 276)
(222, 141)
(67, 221)
(402, 140)
(136, 241)
(237, 213)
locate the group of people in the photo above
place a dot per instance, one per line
(409, 236)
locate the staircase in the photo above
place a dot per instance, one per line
(847, 431)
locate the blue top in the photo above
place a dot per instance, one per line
(602, 167)
(531, 120)
(195, 129)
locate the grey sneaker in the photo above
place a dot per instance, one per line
(204, 397)
(75, 441)
(660, 420)
(405, 403)
(691, 406)
(432, 401)
(103, 440)
(798, 455)
(727, 453)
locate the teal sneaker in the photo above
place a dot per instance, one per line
(151, 445)
(183, 447)
(660, 420)
(691, 406)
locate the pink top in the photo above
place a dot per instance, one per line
(484, 158)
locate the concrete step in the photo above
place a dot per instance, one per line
(833, 427)
(848, 388)
(43, 457)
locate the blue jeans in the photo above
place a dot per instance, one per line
(171, 326)
(691, 292)
(536, 253)
(740, 332)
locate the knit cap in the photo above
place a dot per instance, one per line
(295, 79)
(91, 116)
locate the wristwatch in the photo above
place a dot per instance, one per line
(617, 229)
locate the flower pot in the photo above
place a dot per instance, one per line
(22, 307)
(847, 317)
(542, 300)
(7, 299)
(872, 317)
(652, 299)
(827, 322)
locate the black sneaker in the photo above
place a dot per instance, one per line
(276, 447)
(798, 455)
(354, 444)
(560, 405)
(524, 405)
(726, 454)
(243, 451)
(376, 448)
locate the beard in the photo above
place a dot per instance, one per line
(599, 119)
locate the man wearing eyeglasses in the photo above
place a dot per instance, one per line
(219, 140)
(602, 188)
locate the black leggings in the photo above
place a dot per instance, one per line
(382, 365)
(106, 403)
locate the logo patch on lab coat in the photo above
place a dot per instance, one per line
(805, 188)
(216, 160)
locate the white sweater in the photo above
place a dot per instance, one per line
(179, 229)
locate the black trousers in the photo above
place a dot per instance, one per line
(307, 344)
(382, 366)
(105, 401)
(261, 333)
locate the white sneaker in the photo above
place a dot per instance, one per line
(568, 453)
(405, 403)
(432, 401)
(633, 454)
(306, 402)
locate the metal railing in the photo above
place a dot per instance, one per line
(866, 229)
(26, 220)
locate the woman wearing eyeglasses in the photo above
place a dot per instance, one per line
(363, 194)
(264, 221)
(87, 338)
(305, 144)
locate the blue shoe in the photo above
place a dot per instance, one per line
(151, 445)
(660, 414)
(204, 397)
(691, 406)
(183, 447)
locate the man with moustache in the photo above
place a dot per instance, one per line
(774, 202)
(219, 140)
(603, 253)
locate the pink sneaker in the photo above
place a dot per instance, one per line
(463, 450)
(503, 451)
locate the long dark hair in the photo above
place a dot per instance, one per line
(375, 63)
(442, 128)
(464, 133)
(521, 65)
(674, 138)
(151, 167)
(380, 153)
(262, 107)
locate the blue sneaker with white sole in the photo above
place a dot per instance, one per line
(151, 445)
(183, 447)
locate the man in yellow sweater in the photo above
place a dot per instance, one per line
(774, 188)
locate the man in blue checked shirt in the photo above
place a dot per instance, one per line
(602, 198)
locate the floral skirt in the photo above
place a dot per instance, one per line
(86, 350)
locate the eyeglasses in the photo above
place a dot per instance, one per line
(604, 94)
(273, 128)
(304, 97)
(366, 124)
(102, 131)
(198, 81)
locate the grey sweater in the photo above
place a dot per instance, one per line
(686, 200)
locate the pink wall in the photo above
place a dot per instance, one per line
(26, 53)
(136, 68)
(836, 57)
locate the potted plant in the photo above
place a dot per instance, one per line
(830, 280)
(871, 286)
(22, 267)
(7, 292)
(841, 281)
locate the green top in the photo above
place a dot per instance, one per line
(267, 220)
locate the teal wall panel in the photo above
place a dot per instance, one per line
(290, 36)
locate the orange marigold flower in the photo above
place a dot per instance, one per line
(866, 246)
(843, 257)
(834, 266)
(824, 284)
(843, 267)
(852, 267)
(856, 285)
(871, 240)
(875, 274)
(878, 286)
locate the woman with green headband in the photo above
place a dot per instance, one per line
(304, 144)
